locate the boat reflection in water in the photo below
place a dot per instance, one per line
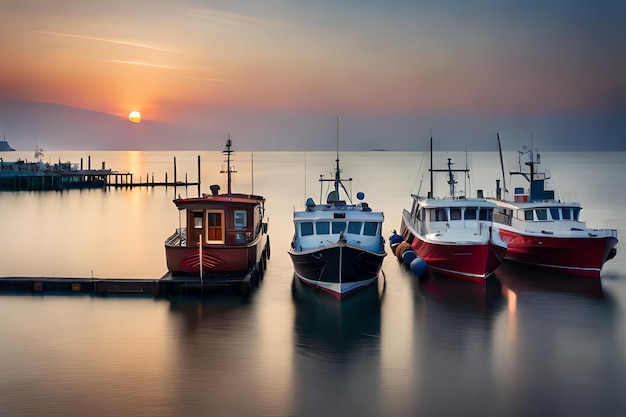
(520, 279)
(326, 326)
(337, 369)
(456, 314)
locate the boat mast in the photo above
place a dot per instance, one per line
(229, 171)
(451, 181)
(337, 170)
(502, 165)
(431, 168)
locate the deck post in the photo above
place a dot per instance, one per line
(200, 254)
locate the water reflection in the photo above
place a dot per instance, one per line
(457, 314)
(454, 332)
(337, 352)
(227, 360)
(564, 329)
(324, 325)
(518, 278)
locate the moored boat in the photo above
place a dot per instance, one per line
(337, 246)
(224, 240)
(544, 231)
(453, 234)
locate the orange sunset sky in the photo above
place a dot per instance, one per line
(274, 74)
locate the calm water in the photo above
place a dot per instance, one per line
(526, 343)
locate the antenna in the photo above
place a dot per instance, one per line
(432, 194)
(502, 165)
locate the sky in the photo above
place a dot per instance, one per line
(276, 74)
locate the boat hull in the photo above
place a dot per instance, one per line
(468, 261)
(185, 260)
(338, 269)
(473, 262)
(579, 256)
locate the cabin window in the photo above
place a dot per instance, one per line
(240, 219)
(306, 229)
(528, 215)
(322, 228)
(441, 215)
(542, 214)
(576, 213)
(567, 213)
(455, 214)
(370, 228)
(355, 227)
(197, 220)
(554, 212)
(484, 214)
(338, 227)
(470, 213)
(214, 226)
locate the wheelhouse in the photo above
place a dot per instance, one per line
(223, 221)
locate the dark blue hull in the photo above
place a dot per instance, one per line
(338, 269)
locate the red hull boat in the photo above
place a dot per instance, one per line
(546, 232)
(454, 235)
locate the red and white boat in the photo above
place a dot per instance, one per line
(543, 231)
(454, 235)
(224, 240)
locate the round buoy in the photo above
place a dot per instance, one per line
(408, 256)
(419, 266)
(400, 249)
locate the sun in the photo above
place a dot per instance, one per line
(134, 116)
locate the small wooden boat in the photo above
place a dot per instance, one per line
(224, 240)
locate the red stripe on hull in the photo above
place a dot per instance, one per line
(576, 256)
(469, 262)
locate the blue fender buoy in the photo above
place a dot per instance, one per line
(395, 239)
(419, 266)
(408, 256)
(400, 249)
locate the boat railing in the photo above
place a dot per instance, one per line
(179, 238)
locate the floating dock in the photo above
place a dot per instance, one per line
(166, 286)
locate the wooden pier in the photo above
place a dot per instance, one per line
(40, 176)
(168, 285)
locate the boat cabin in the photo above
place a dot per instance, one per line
(432, 216)
(315, 229)
(556, 215)
(225, 220)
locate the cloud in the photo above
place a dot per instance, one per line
(105, 40)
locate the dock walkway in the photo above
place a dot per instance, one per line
(167, 285)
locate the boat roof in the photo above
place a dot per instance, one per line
(456, 202)
(514, 205)
(221, 199)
